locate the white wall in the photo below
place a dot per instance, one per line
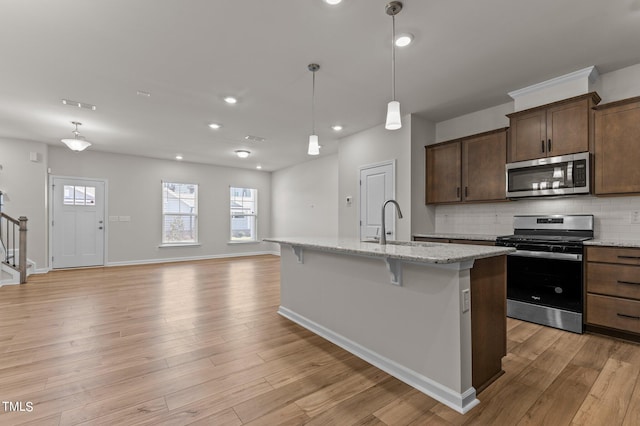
(134, 189)
(422, 216)
(620, 84)
(475, 122)
(373, 146)
(25, 182)
(305, 199)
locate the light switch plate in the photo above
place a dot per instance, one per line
(113, 218)
(125, 218)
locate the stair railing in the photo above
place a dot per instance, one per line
(15, 247)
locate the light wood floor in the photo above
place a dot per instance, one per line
(201, 343)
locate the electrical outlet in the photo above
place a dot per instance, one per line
(466, 300)
(635, 217)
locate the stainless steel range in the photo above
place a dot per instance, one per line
(545, 273)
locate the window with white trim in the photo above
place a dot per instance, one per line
(244, 214)
(179, 213)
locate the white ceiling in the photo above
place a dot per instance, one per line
(189, 54)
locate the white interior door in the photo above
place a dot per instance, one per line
(77, 222)
(376, 186)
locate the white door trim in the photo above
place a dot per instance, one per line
(391, 163)
(50, 214)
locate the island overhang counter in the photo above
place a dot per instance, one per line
(430, 314)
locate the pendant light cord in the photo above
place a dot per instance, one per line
(393, 57)
(313, 104)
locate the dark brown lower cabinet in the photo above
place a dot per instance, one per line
(613, 291)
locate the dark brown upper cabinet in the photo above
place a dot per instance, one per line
(617, 147)
(469, 169)
(559, 128)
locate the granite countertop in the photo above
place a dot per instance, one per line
(478, 237)
(415, 251)
(613, 243)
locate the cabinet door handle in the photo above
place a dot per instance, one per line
(458, 192)
(542, 145)
(549, 145)
(628, 316)
(629, 257)
(466, 191)
(627, 282)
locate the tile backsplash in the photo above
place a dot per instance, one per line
(613, 215)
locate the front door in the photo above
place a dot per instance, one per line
(77, 222)
(376, 186)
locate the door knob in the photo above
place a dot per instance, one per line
(99, 227)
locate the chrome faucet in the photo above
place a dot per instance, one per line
(383, 234)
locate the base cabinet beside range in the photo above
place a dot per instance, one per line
(613, 291)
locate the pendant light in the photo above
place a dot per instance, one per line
(314, 147)
(78, 143)
(393, 108)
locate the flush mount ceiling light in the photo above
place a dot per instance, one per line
(215, 126)
(78, 143)
(78, 104)
(259, 167)
(179, 157)
(336, 127)
(393, 108)
(333, 2)
(404, 39)
(242, 153)
(230, 100)
(314, 147)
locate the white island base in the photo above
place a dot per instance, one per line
(417, 329)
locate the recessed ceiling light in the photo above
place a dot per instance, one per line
(242, 153)
(215, 126)
(333, 2)
(258, 167)
(337, 127)
(143, 93)
(403, 40)
(178, 157)
(230, 100)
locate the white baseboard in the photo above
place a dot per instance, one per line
(186, 259)
(461, 402)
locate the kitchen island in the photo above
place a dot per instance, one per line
(430, 314)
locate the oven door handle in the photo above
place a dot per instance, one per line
(547, 255)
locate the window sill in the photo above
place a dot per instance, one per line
(243, 242)
(179, 245)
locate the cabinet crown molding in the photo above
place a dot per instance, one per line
(590, 74)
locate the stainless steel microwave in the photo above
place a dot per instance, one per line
(562, 175)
